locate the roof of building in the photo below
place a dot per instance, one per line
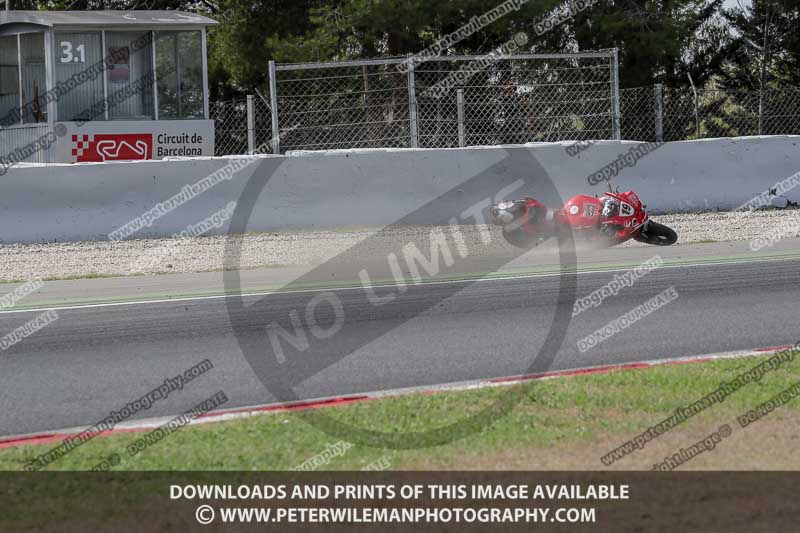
(55, 19)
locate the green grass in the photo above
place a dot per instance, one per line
(90, 275)
(557, 414)
(541, 415)
(105, 275)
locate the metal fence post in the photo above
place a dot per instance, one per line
(615, 118)
(251, 125)
(696, 106)
(659, 112)
(273, 104)
(460, 108)
(412, 104)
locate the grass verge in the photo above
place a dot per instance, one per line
(552, 424)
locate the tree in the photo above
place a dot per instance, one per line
(659, 41)
(241, 45)
(766, 48)
(764, 55)
(370, 28)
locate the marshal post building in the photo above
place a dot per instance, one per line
(93, 86)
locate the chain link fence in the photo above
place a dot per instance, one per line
(468, 101)
(516, 100)
(444, 101)
(242, 125)
(348, 105)
(674, 114)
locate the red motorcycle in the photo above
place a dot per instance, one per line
(609, 220)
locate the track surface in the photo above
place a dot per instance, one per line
(94, 360)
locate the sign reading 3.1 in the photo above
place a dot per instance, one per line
(68, 56)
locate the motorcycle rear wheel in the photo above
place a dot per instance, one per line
(657, 234)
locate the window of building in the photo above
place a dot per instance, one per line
(130, 75)
(22, 87)
(102, 75)
(75, 54)
(9, 81)
(179, 61)
(34, 78)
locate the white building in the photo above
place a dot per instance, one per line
(78, 86)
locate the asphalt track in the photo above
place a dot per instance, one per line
(99, 355)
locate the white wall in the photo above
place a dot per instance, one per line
(378, 187)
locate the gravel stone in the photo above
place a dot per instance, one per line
(297, 248)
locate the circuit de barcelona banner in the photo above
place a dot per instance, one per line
(131, 140)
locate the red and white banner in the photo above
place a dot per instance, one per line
(135, 140)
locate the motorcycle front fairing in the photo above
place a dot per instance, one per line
(623, 215)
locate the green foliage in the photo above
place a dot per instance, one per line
(531, 417)
(239, 47)
(765, 52)
(659, 40)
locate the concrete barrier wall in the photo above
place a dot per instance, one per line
(376, 187)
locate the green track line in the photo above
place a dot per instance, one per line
(542, 270)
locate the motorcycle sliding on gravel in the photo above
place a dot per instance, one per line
(608, 220)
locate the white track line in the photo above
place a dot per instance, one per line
(274, 408)
(360, 287)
